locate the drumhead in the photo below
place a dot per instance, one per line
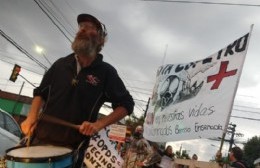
(37, 153)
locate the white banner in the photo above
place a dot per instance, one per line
(101, 152)
(194, 100)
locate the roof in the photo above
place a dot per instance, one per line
(257, 161)
(15, 97)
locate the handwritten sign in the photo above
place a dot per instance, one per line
(166, 162)
(101, 152)
(194, 100)
(117, 133)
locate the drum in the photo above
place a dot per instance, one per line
(39, 157)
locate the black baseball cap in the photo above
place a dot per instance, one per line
(89, 18)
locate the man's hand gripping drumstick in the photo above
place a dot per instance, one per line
(86, 128)
(27, 127)
(90, 128)
(29, 124)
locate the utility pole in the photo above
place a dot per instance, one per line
(147, 105)
(232, 130)
(18, 98)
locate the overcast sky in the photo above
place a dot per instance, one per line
(142, 35)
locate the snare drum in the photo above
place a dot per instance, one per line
(39, 157)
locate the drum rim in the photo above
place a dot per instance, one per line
(35, 160)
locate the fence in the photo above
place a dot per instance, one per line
(180, 163)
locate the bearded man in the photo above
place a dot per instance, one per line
(73, 90)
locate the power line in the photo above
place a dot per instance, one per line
(136, 80)
(65, 19)
(22, 50)
(255, 119)
(149, 94)
(17, 56)
(143, 89)
(53, 20)
(246, 111)
(9, 62)
(143, 101)
(246, 96)
(206, 3)
(17, 85)
(247, 107)
(137, 104)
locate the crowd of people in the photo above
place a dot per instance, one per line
(74, 89)
(141, 153)
(144, 154)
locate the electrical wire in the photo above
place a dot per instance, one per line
(66, 20)
(5, 56)
(246, 111)
(255, 119)
(11, 63)
(23, 50)
(137, 104)
(247, 107)
(143, 89)
(53, 21)
(149, 94)
(54, 15)
(206, 3)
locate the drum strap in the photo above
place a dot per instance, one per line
(79, 153)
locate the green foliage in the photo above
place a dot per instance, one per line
(252, 150)
(182, 155)
(134, 121)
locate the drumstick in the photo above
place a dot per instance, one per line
(28, 140)
(55, 120)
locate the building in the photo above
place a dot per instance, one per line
(16, 105)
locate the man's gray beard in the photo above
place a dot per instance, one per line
(84, 47)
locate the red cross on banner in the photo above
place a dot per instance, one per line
(221, 75)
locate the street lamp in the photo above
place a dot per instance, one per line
(41, 51)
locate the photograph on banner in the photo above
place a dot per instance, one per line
(194, 100)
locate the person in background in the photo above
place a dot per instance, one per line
(138, 151)
(127, 143)
(167, 158)
(169, 152)
(194, 157)
(153, 160)
(74, 89)
(236, 158)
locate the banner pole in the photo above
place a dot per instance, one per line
(219, 155)
(222, 141)
(230, 111)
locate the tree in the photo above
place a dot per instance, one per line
(182, 155)
(252, 150)
(134, 121)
